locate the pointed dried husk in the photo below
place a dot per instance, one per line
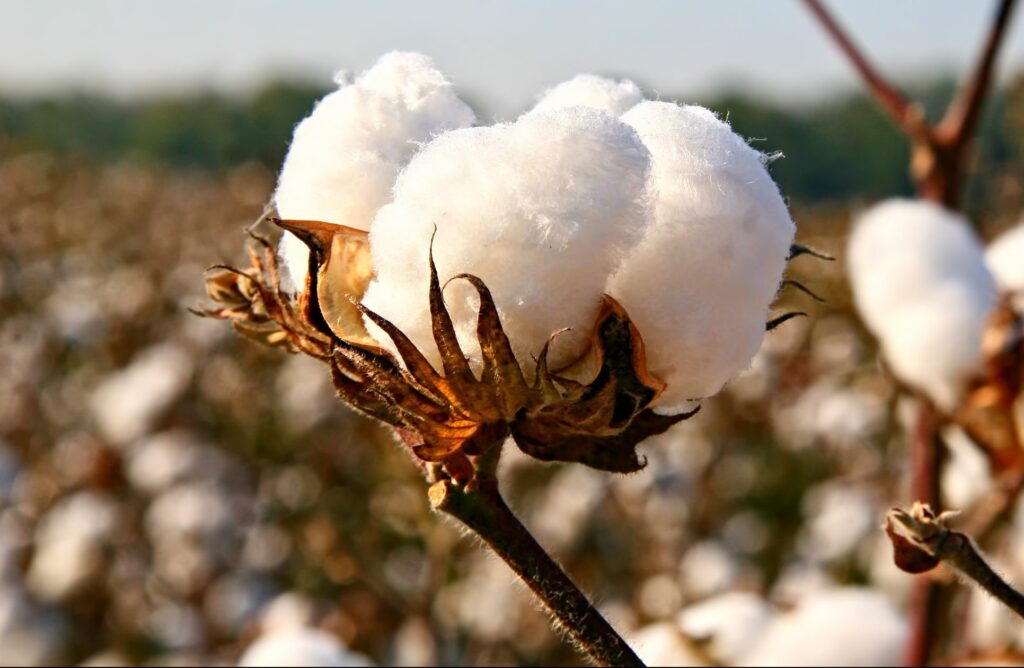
(594, 412)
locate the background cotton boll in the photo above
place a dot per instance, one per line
(588, 90)
(921, 285)
(662, 644)
(300, 647)
(541, 209)
(69, 544)
(345, 156)
(902, 250)
(935, 343)
(1005, 258)
(840, 627)
(729, 622)
(700, 282)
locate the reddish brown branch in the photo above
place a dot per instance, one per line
(904, 113)
(938, 151)
(925, 466)
(962, 115)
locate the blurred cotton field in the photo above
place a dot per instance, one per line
(171, 494)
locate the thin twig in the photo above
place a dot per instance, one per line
(903, 112)
(962, 115)
(928, 532)
(482, 509)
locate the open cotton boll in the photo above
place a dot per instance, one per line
(921, 285)
(300, 647)
(541, 209)
(345, 156)
(1005, 258)
(699, 284)
(589, 90)
(847, 626)
(729, 623)
(901, 250)
(935, 343)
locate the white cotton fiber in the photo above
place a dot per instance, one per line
(921, 285)
(300, 647)
(345, 156)
(1005, 257)
(588, 90)
(847, 626)
(542, 210)
(701, 281)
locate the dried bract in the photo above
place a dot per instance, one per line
(594, 411)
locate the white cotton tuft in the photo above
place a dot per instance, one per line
(1005, 258)
(729, 623)
(345, 156)
(921, 285)
(70, 543)
(661, 644)
(589, 90)
(847, 626)
(542, 210)
(300, 647)
(699, 284)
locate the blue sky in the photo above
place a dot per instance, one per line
(501, 54)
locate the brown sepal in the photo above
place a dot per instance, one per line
(908, 557)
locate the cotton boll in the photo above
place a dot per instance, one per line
(541, 209)
(839, 516)
(935, 343)
(345, 156)
(966, 473)
(69, 545)
(921, 285)
(300, 647)
(30, 635)
(707, 568)
(900, 250)
(588, 90)
(663, 645)
(128, 402)
(730, 622)
(847, 626)
(1005, 258)
(699, 284)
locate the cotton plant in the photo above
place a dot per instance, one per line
(577, 280)
(921, 284)
(943, 310)
(1005, 258)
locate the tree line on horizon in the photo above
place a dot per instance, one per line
(840, 150)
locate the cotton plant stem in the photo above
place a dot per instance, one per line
(925, 459)
(962, 115)
(905, 114)
(937, 160)
(483, 510)
(929, 532)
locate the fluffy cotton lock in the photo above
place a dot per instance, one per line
(542, 210)
(921, 285)
(846, 626)
(1005, 258)
(300, 647)
(588, 90)
(345, 156)
(700, 283)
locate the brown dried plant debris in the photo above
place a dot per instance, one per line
(596, 412)
(993, 412)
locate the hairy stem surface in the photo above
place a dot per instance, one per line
(928, 532)
(483, 510)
